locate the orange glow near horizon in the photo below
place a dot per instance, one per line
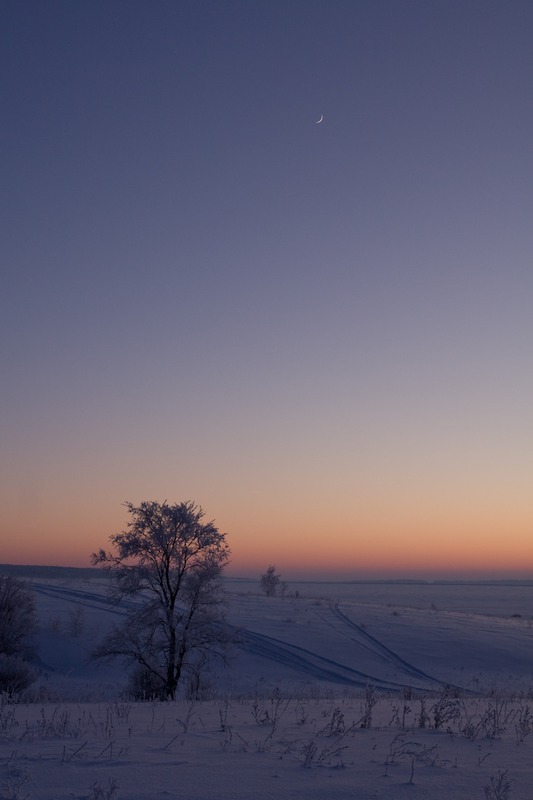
(376, 546)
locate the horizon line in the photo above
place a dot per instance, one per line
(398, 580)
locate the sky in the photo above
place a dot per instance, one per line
(319, 332)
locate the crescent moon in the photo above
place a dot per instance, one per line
(320, 120)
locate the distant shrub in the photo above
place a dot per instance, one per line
(76, 621)
(16, 675)
(18, 620)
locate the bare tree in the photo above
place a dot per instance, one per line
(269, 581)
(171, 562)
(18, 621)
(76, 620)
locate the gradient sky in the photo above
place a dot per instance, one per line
(320, 333)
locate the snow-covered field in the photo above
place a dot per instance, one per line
(360, 691)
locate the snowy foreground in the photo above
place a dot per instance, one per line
(360, 691)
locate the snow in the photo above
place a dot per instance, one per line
(289, 716)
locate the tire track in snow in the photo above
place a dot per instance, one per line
(310, 663)
(293, 656)
(381, 650)
(86, 599)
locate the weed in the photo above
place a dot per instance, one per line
(268, 710)
(336, 725)
(122, 710)
(58, 725)
(423, 716)
(413, 752)
(446, 709)
(223, 714)
(76, 753)
(99, 792)
(399, 716)
(186, 722)
(499, 786)
(109, 751)
(524, 725)
(495, 720)
(312, 754)
(302, 714)
(498, 717)
(227, 740)
(370, 701)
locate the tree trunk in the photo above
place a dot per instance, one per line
(172, 678)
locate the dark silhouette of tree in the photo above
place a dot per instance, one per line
(170, 563)
(269, 581)
(18, 621)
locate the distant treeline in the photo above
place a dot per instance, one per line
(402, 582)
(53, 573)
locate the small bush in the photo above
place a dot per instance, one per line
(76, 621)
(15, 674)
(145, 685)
